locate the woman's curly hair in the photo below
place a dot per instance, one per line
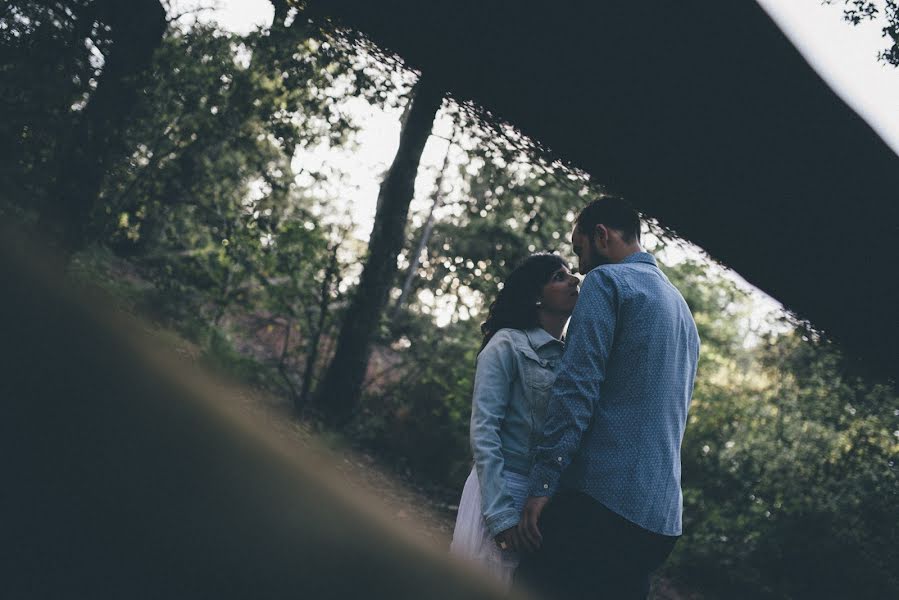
(516, 303)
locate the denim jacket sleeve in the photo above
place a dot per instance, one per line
(495, 373)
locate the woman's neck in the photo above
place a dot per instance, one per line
(553, 323)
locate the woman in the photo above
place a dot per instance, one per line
(515, 369)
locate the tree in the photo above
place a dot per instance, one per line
(857, 11)
(427, 230)
(136, 30)
(341, 386)
(75, 73)
(45, 76)
(210, 188)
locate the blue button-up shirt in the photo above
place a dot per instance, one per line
(618, 408)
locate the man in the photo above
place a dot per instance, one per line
(605, 499)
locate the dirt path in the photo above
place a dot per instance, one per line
(424, 516)
(424, 513)
(427, 517)
(416, 508)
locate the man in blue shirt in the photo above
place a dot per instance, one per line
(605, 499)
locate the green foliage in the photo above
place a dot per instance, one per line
(789, 460)
(857, 11)
(506, 205)
(790, 483)
(221, 357)
(213, 130)
(421, 418)
(209, 201)
(50, 63)
(97, 266)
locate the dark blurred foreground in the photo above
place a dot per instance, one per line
(230, 238)
(124, 478)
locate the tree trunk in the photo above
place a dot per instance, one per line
(312, 353)
(282, 363)
(137, 29)
(427, 230)
(338, 394)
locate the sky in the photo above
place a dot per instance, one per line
(843, 55)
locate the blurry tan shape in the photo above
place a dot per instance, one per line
(124, 477)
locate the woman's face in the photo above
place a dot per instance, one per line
(559, 295)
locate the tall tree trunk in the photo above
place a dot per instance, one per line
(427, 230)
(338, 394)
(137, 28)
(312, 352)
(282, 363)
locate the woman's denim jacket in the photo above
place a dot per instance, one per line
(511, 388)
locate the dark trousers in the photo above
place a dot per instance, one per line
(589, 551)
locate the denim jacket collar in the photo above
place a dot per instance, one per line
(539, 337)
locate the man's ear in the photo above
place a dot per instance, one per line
(601, 235)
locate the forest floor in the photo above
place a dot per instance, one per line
(427, 513)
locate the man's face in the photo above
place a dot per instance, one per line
(589, 255)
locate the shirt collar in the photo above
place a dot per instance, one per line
(643, 257)
(539, 337)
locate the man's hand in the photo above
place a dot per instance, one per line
(528, 532)
(508, 539)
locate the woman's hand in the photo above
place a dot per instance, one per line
(508, 539)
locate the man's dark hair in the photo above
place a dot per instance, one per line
(613, 212)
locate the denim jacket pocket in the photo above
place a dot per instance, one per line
(538, 372)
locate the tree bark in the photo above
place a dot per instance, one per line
(137, 29)
(427, 230)
(339, 392)
(282, 363)
(312, 352)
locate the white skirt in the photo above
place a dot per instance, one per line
(471, 538)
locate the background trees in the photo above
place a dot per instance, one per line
(96, 54)
(857, 11)
(789, 461)
(343, 380)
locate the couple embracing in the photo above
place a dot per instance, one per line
(575, 490)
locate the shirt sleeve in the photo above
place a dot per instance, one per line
(490, 400)
(575, 393)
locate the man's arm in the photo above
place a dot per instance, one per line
(575, 393)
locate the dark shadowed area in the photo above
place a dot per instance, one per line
(206, 193)
(706, 118)
(128, 478)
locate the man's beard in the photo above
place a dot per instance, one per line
(597, 259)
